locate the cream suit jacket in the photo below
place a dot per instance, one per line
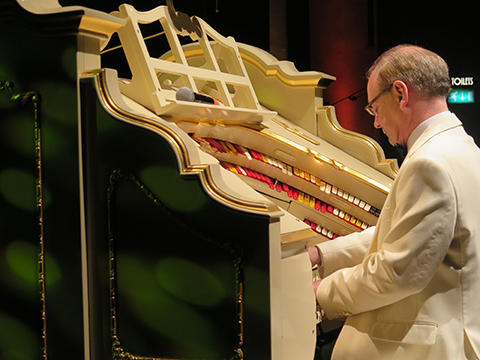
(410, 287)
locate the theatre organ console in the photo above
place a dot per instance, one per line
(249, 164)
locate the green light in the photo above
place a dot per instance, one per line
(175, 276)
(18, 341)
(22, 257)
(161, 312)
(458, 96)
(18, 188)
(18, 133)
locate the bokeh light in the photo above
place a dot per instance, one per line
(18, 188)
(18, 133)
(189, 331)
(62, 112)
(17, 340)
(22, 258)
(189, 282)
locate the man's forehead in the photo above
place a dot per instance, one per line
(373, 77)
(372, 85)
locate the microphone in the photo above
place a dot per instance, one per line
(187, 94)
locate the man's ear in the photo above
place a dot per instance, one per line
(401, 92)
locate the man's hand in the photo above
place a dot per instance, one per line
(315, 286)
(315, 259)
(314, 254)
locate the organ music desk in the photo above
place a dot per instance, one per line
(256, 177)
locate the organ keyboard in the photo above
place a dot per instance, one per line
(275, 150)
(269, 127)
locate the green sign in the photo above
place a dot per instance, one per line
(458, 96)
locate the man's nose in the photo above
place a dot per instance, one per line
(376, 122)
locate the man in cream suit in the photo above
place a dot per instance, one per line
(410, 287)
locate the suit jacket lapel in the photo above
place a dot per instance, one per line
(445, 123)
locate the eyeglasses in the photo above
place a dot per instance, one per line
(369, 108)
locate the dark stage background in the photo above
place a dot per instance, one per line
(342, 38)
(338, 37)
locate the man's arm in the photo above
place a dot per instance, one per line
(344, 251)
(416, 238)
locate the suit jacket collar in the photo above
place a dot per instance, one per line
(444, 123)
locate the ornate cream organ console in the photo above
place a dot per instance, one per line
(247, 167)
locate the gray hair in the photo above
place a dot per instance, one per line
(422, 69)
